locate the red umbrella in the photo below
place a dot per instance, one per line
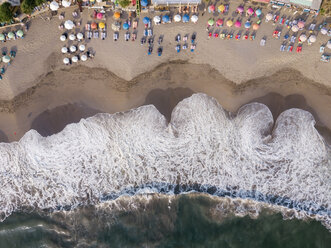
(219, 22)
(94, 25)
(211, 8)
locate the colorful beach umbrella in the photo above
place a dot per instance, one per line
(2, 37)
(295, 28)
(102, 25)
(19, 33)
(94, 25)
(83, 57)
(66, 3)
(64, 50)
(258, 12)
(177, 18)
(240, 9)
(237, 24)
(221, 8)
(256, 26)
(211, 22)
(72, 37)
(247, 24)
(66, 61)
(194, 18)
(54, 6)
(268, 17)
(63, 38)
(11, 35)
(144, 3)
(229, 23)
(165, 18)
(6, 59)
(82, 47)
(301, 24)
(80, 36)
(250, 11)
(186, 18)
(211, 8)
(99, 16)
(219, 22)
(312, 38)
(74, 59)
(146, 20)
(125, 26)
(157, 19)
(69, 24)
(117, 15)
(303, 37)
(324, 31)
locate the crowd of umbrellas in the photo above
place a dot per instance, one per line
(12, 35)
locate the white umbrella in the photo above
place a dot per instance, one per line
(177, 18)
(157, 19)
(324, 31)
(268, 17)
(63, 37)
(66, 3)
(83, 57)
(194, 18)
(295, 28)
(74, 59)
(80, 36)
(73, 49)
(54, 6)
(6, 59)
(64, 50)
(303, 37)
(72, 37)
(329, 44)
(82, 47)
(312, 38)
(66, 61)
(69, 24)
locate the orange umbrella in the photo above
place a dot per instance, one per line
(94, 25)
(117, 15)
(256, 26)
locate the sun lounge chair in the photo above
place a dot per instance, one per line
(96, 34)
(103, 35)
(150, 32)
(88, 27)
(159, 51)
(115, 36)
(262, 42)
(178, 48)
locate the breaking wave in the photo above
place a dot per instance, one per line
(203, 148)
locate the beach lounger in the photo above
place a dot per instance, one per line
(115, 36)
(262, 42)
(88, 27)
(150, 32)
(96, 34)
(103, 35)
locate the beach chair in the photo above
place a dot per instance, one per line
(88, 27)
(149, 32)
(103, 35)
(178, 48)
(96, 34)
(135, 24)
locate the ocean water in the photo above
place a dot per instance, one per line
(246, 158)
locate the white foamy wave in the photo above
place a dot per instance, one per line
(203, 144)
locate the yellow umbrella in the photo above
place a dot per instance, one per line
(229, 23)
(101, 25)
(117, 15)
(221, 8)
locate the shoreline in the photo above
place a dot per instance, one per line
(55, 101)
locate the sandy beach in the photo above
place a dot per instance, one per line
(39, 92)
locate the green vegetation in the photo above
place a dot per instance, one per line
(27, 6)
(326, 8)
(124, 3)
(6, 14)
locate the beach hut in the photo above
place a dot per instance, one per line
(247, 25)
(328, 45)
(6, 59)
(94, 25)
(229, 23)
(250, 11)
(125, 26)
(237, 24)
(240, 9)
(303, 38)
(66, 3)
(102, 25)
(82, 47)
(324, 31)
(73, 49)
(54, 6)
(194, 18)
(69, 24)
(219, 22)
(2, 37)
(11, 35)
(83, 57)
(258, 12)
(117, 15)
(63, 37)
(99, 16)
(74, 59)
(72, 37)
(146, 20)
(66, 61)
(268, 17)
(295, 28)
(211, 22)
(221, 8)
(312, 38)
(177, 18)
(19, 33)
(211, 8)
(165, 18)
(144, 3)
(186, 18)
(256, 26)
(64, 50)
(80, 36)
(157, 19)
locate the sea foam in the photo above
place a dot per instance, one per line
(202, 145)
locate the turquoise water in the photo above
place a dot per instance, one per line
(187, 222)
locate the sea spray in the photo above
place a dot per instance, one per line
(203, 144)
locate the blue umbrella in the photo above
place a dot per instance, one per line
(144, 3)
(165, 18)
(247, 25)
(186, 18)
(146, 20)
(125, 26)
